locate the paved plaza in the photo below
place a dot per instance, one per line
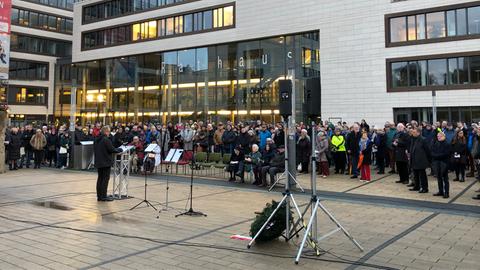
(50, 219)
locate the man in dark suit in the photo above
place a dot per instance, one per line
(419, 160)
(103, 149)
(401, 142)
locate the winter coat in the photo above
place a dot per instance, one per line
(304, 150)
(403, 142)
(381, 145)
(449, 135)
(52, 141)
(367, 153)
(243, 140)
(38, 143)
(163, 138)
(460, 149)
(26, 137)
(279, 138)
(321, 147)
(187, 138)
(352, 142)
(228, 138)
(13, 147)
(390, 135)
(217, 137)
(103, 150)
(119, 139)
(278, 160)
(440, 151)
(263, 135)
(420, 155)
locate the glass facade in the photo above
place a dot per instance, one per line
(223, 17)
(42, 21)
(65, 4)
(415, 74)
(236, 81)
(40, 45)
(27, 95)
(424, 26)
(110, 9)
(27, 70)
(449, 114)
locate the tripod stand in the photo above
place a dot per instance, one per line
(148, 203)
(287, 200)
(286, 174)
(190, 211)
(315, 204)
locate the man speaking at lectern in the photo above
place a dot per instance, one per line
(103, 148)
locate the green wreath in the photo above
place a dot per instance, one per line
(276, 225)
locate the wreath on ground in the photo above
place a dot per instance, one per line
(275, 227)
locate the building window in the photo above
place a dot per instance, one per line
(63, 4)
(27, 95)
(114, 8)
(458, 71)
(454, 22)
(217, 18)
(38, 45)
(42, 21)
(26, 70)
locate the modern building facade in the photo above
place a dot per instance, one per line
(41, 34)
(377, 60)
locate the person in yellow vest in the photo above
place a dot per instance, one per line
(339, 151)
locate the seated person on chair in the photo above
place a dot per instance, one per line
(138, 154)
(254, 162)
(236, 164)
(276, 165)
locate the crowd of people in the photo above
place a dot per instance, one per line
(407, 149)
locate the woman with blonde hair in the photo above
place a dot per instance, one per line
(38, 143)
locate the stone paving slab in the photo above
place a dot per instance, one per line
(37, 237)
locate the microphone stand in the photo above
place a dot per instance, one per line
(190, 211)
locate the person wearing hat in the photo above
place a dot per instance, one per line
(274, 166)
(339, 151)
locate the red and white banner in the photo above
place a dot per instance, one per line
(5, 19)
(5, 15)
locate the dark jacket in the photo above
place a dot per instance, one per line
(103, 149)
(381, 144)
(13, 147)
(278, 160)
(268, 155)
(243, 140)
(26, 137)
(352, 142)
(119, 139)
(367, 153)
(460, 149)
(400, 150)
(52, 141)
(228, 137)
(440, 151)
(304, 149)
(240, 157)
(420, 155)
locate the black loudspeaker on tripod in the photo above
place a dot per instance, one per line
(312, 97)
(285, 97)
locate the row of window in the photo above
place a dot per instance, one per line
(38, 45)
(192, 22)
(434, 25)
(65, 4)
(25, 70)
(42, 21)
(108, 9)
(28, 95)
(435, 72)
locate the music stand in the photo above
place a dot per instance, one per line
(172, 157)
(190, 211)
(151, 149)
(121, 173)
